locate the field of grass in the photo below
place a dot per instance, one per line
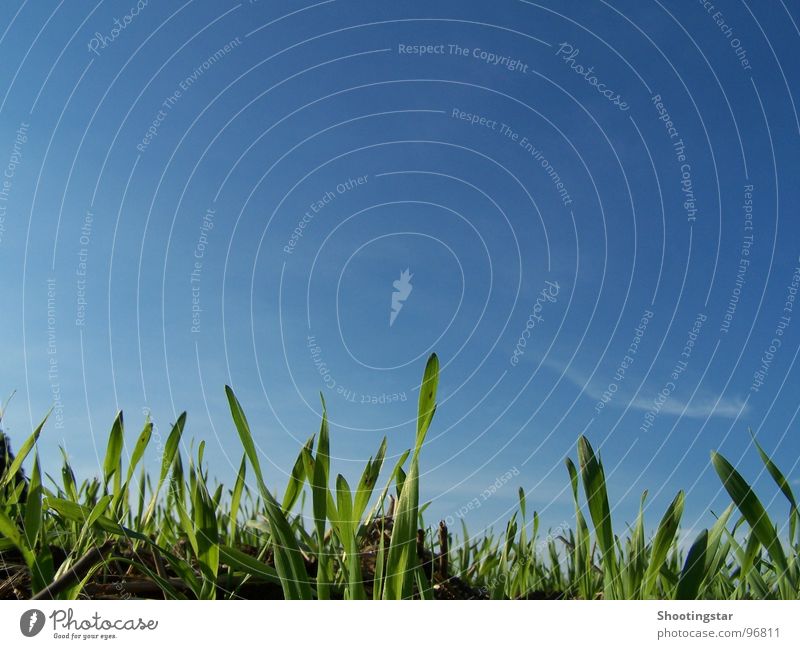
(178, 535)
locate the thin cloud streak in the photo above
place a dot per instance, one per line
(701, 407)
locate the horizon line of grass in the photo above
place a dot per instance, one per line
(178, 537)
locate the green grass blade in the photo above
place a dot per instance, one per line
(377, 583)
(401, 561)
(9, 530)
(775, 472)
(170, 451)
(662, 542)
(594, 484)
(288, 558)
(319, 503)
(139, 448)
(369, 479)
(206, 533)
(33, 506)
(113, 460)
(240, 561)
(296, 479)
(236, 498)
(80, 514)
(427, 398)
(23, 452)
(783, 485)
(694, 569)
(382, 497)
(345, 526)
(171, 447)
(751, 508)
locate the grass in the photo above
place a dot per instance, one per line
(178, 535)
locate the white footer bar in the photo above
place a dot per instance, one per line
(229, 624)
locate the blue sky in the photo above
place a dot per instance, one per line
(595, 203)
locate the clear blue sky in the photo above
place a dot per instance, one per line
(589, 197)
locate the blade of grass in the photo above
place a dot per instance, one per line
(401, 561)
(751, 508)
(319, 503)
(168, 457)
(236, 497)
(112, 463)
(288, 559)
(594, 484)
(139, 448)
(693, 572)
(662, 542)
(296, 479)
(783, 485)
(23, 452)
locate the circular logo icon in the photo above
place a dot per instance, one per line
(31, 622)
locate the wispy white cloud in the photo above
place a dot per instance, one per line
(700, 407)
